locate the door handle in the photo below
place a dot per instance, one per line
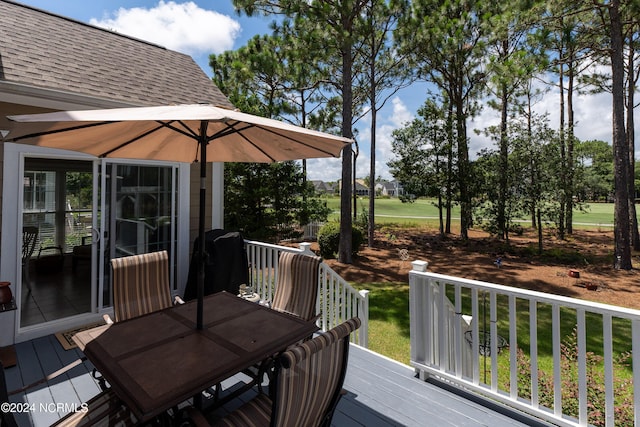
(95, 235)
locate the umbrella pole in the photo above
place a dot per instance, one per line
(201, 252)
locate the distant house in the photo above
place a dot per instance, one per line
(360, 189)
(47, 63)
(390, 188)
(322, 187)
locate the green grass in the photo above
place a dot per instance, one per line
(424, 211)
(389, 319)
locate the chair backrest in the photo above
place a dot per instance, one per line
(140, 284)
(310, 376)
(29, 238)
(297, 287)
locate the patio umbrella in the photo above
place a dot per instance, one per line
(185, 133)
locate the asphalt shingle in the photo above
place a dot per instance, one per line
(41, 49)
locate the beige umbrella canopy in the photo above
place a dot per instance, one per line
(184, 133)
(174, 133)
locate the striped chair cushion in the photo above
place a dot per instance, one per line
(254, 413)
(105, 409)
(140, 284)
(309, 383)
(307, 387)
(297, 288)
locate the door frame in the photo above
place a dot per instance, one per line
(180, 201)
(11, 239)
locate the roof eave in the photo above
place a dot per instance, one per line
(23, 94)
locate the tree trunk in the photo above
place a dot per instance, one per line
(372, 165)
(622, 250)
(539, 214)
(631, 89)
(570, 140)
(463, 170)
(563, 159)
(345, 247)
(504, 165)
(450, 177)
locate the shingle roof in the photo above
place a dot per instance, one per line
(45, 50)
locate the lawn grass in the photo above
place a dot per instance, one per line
(389, 319)
(424, 211)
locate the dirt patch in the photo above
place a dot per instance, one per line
(587, 253)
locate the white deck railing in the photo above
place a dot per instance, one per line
(337, 299)
(442, 347)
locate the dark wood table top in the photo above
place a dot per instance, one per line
(156, 361)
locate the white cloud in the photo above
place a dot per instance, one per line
(324, 169)
(184, 27)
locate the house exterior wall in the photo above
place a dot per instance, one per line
(40, 72)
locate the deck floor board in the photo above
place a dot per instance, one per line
(379, 392)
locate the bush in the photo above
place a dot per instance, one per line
(329, 240)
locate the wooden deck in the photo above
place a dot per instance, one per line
(380, 392)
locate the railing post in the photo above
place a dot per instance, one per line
(417, 317)
(305, 247)
(420, 266)
(363, 314)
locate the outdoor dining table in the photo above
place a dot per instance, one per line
(156, 361)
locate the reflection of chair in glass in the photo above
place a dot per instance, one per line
(297, 287)
(140, 284)
(81, 252)
(307, 386)
(29, 239)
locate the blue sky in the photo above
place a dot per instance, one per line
(199, 28)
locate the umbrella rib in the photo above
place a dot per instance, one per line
(147, 133)
(51, 132)
(231, 128)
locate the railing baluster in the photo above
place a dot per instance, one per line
(582, 366)
(475, 341)
(635, 334)
(608, 369)
(513, 347)
(493, 320)
(557, 365)
(533, 351)
(458, 332)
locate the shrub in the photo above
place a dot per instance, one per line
(329, 239)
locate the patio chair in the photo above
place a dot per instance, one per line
(141, 285)
(306, 389)
(296, 293)
(297, 288)
(29, 239)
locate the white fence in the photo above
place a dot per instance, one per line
(337, 300)
(560, 356)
